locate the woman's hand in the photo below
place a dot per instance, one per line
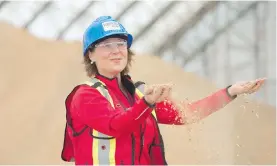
(166, 93)
(157, 93)
(246, 87)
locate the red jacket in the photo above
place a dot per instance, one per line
(138, 140)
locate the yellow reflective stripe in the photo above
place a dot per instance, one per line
(106, 94)
(154, 113)
(97, 157)
(102, 90)
(102, 93)
(112, 151)
(112, 142)
(138, 92)
(88, 83)
(95, 148)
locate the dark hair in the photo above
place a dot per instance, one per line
(91, 69)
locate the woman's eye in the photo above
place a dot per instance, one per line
(109, 45)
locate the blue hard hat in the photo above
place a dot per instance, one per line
(103, 27)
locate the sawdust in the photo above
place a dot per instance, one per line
(36, 76)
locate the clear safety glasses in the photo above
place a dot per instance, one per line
(121, 45)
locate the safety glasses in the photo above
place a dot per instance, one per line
(121, 45)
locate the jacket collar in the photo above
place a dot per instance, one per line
(113, 82)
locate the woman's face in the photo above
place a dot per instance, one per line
(110, 56)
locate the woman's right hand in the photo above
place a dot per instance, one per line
(156, 93)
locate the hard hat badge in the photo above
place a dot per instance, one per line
(111, 26)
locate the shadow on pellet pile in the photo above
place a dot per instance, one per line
(36, 76)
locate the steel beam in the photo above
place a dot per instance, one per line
(35, 15)
(162, 13)
(78, 16)
(219, 32)
(175, 38)
(260, 46)
(125, 10)
(228, 68)
(3, 3)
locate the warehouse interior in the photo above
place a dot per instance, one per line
(202, 45)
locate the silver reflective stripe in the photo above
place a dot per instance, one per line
(103, 150)
(105, 92)
(141, 88)
(94, 80)
(103, 144)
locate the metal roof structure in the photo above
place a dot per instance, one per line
(178, 31)
(156, 25)
(66, 20)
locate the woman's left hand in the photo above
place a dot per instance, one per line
(166, 93)
(246, 87)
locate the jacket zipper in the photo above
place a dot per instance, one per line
(126, 96)
(132, 135)
(132, 101)
(133, 141)
(133, 148)
(141, 139)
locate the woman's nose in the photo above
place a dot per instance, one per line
(115, 49)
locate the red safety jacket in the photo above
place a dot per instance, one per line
(106, 127)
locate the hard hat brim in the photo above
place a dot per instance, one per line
(128, 36)
(129, 40)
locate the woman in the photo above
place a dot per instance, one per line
(109, 121)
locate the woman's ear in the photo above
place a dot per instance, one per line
(91, 57)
